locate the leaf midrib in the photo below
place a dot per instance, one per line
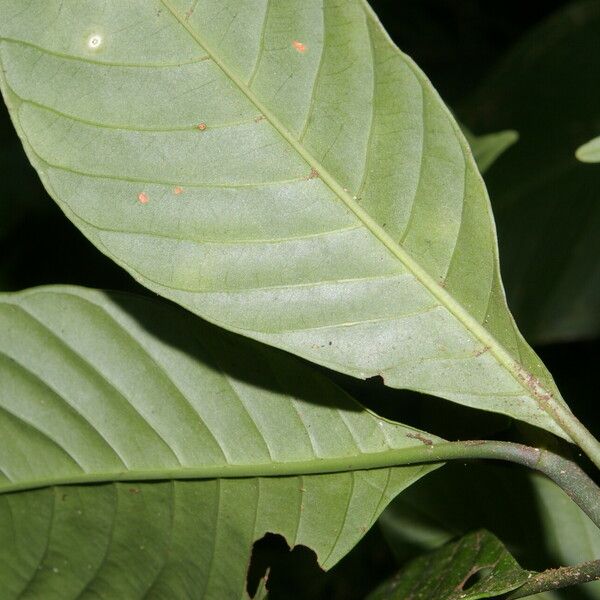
(422, 455)
(533, 388)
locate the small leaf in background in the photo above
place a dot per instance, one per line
(546, 202)
(262, 593)
(476, 566)
(489, 147)
(589, 152)
(536, 520)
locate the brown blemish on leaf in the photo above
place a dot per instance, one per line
(178, 190)
(481, 351)
(259, 118)
(299, 46)
(134, 490)
(201, 126)
(533, 384)
(143, 198)
(420, 437)
(313, 174)
(191, 10)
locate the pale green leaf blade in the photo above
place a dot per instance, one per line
(446, 573)
(100, 387)
(589, 152)
(282, 170)
(163, 535)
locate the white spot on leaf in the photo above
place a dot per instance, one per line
(94, 41)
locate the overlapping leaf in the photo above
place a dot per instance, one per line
(281, 169)
(104, 388)
(448, 573)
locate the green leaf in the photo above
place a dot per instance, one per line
(451, 573)
(103, 388)
(536, 520)
(545, 200)
(489, 147)
(589, 152)
(283, 172)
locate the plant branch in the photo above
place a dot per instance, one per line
(575, 428)
(556, 579)
(565, 473)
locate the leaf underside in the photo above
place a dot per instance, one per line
(446, 573)
(282, 170)
(107, 387)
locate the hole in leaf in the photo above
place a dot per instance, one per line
(376, 379)
(476, 577)
(288, 569)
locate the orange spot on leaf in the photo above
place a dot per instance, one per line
(143, 198)
(299, 46)
(201, 126)
(178, 190)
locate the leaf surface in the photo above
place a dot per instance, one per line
(447, 573)
(282, 170)
(103, 388)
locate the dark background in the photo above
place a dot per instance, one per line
(457, 43)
